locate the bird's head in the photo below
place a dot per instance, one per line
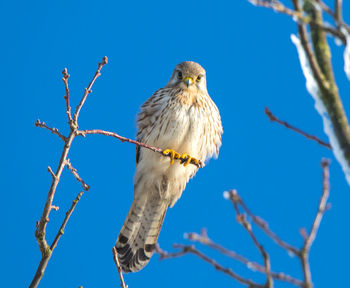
(190, 76)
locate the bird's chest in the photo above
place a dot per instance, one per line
(180, 127)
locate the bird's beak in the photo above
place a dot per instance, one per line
(188, 81)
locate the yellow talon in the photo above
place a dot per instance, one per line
(187, 159)
(173, 155)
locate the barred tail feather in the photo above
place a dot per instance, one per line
(140, 231)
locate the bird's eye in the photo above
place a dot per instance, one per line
(199, 78)
(179, 74)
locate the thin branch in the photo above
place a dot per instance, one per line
(338, 10)
(86, 187)
(233, 196)
(279, 7)
(40, 124)
(88, 89)
(119, 268)
(205, 240)
(273, 118)
(40, 232)
(309, 239)
(124, 139)
(192, 250)
(66, 97)
(65, 221)
(243, 221)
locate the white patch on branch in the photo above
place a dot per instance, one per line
(347, 54)
(313, 89)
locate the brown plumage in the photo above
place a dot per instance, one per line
(180, 116)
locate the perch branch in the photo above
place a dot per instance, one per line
(273, 118)
(124, 139)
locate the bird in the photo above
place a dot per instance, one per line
(185, 123)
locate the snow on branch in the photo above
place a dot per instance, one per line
(313, 88)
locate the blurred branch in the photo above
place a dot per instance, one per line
(205, 240)
(273, 118)
(120, 272)
(322, 208)
(318, 54)
(192, 250)
(299, 16)
(242, 212)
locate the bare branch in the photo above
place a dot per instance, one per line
(86, 187)
(235, 198)
(273, 118)
(124, 139)
(279, 7)
(322, 208)
(192, 250)
(243, 221)
(88, 89)
(119, 268)
(205, 240)
(64, 223)
(40, 232)
(40, 124)
(66, 97)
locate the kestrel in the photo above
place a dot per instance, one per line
(180, 116)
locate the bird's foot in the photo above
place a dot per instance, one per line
(187, 159)
(184, 158)
(173, 155)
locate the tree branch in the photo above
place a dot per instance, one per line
(124, 139)
(192, 250)
(119, 268)
(40, 232)
(309, 239)
(205, 240)
(273, 118)
(86, 187)
(40, 124)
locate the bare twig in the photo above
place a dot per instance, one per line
(243, 221)
(322, 207)
(40, 124)
(192, 250)
(236, 199)
(88, 89)
(273, 118)
(279, 7)
(66, 97)
(40, 233)
(65, 221)
(124, 139)
(204, 239)
(119, 268)
(86, 187)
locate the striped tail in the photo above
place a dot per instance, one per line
(139, 234)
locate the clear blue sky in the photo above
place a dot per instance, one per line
(250, 62)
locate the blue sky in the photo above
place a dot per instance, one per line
(251, 63)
